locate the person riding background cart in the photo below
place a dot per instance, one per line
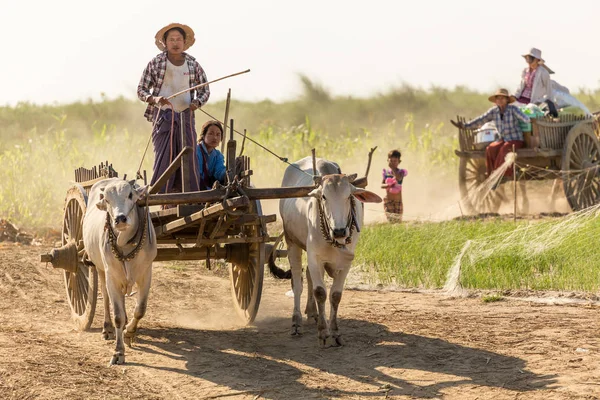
(535, 86)
(506, 117)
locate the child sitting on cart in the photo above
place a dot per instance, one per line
(392, 183)
(506, 117)
(210, 160)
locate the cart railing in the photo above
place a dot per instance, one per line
(552, 132)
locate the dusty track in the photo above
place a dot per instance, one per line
(399, 345)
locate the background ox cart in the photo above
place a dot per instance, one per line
(562, 149)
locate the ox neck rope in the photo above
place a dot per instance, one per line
(326, 228)
(112, 238)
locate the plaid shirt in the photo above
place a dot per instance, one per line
(507, 124)
(154, 74)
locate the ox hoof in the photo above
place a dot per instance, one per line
(338, 341)
(108, 335)
(313, 317)
(296, 330)
(129, 338)
(323, 343)
(117, 359)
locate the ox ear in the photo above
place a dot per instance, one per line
(142, 191)
(365, 196)
(102, 203)
(352, 178)
(316, 193)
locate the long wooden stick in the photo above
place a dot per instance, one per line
(514, 166)
(314, 162)
(223, 140)
(206, 83)
(369, 163)
(243, 143)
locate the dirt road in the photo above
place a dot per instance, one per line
(191, 345)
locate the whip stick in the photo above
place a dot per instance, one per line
(206, 83)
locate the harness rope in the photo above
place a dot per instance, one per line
(326, 228)
(112, 238)
(282, 159)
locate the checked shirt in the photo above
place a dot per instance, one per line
(507, 124)
(153, 77)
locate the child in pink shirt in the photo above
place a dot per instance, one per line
(392, 183)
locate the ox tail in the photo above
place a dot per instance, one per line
(276, 271)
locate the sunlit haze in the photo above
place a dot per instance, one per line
(64, 51)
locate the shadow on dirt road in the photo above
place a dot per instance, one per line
(261, 360)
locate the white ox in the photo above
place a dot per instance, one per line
(327, 226)
(120, 240)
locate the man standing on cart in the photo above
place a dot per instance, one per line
(506, 117)
(168, 73)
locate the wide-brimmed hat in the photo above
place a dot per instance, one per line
(189, 36)
(502, 92)
(537, 53)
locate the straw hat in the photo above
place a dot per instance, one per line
(502, 92)
(189, 36)
(537, 53)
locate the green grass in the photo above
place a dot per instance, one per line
(40, 146)
(491, 298)
(420, 255)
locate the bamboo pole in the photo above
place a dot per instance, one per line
(225, 120)
(514, 166)
(314, 162)
(243, 143)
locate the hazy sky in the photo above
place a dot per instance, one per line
(63, 50)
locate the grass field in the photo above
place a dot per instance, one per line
(40, 146)
(536, 255)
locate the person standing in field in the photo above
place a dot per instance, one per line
(506, 117)
(392, 183)
(172, 71)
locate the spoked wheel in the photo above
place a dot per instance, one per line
(476, 197)
(580, 162)
(247, 270)
(81, 285)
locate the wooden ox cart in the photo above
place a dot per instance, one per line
(565, 149)
(225, 223)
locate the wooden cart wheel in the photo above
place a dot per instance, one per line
(82, 286)
(580, 165)
(247, 270)
(471, 175)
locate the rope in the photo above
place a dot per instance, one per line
(326, 228)
(283, 159)
(112, 238)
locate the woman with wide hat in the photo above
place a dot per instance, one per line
(535, 86)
